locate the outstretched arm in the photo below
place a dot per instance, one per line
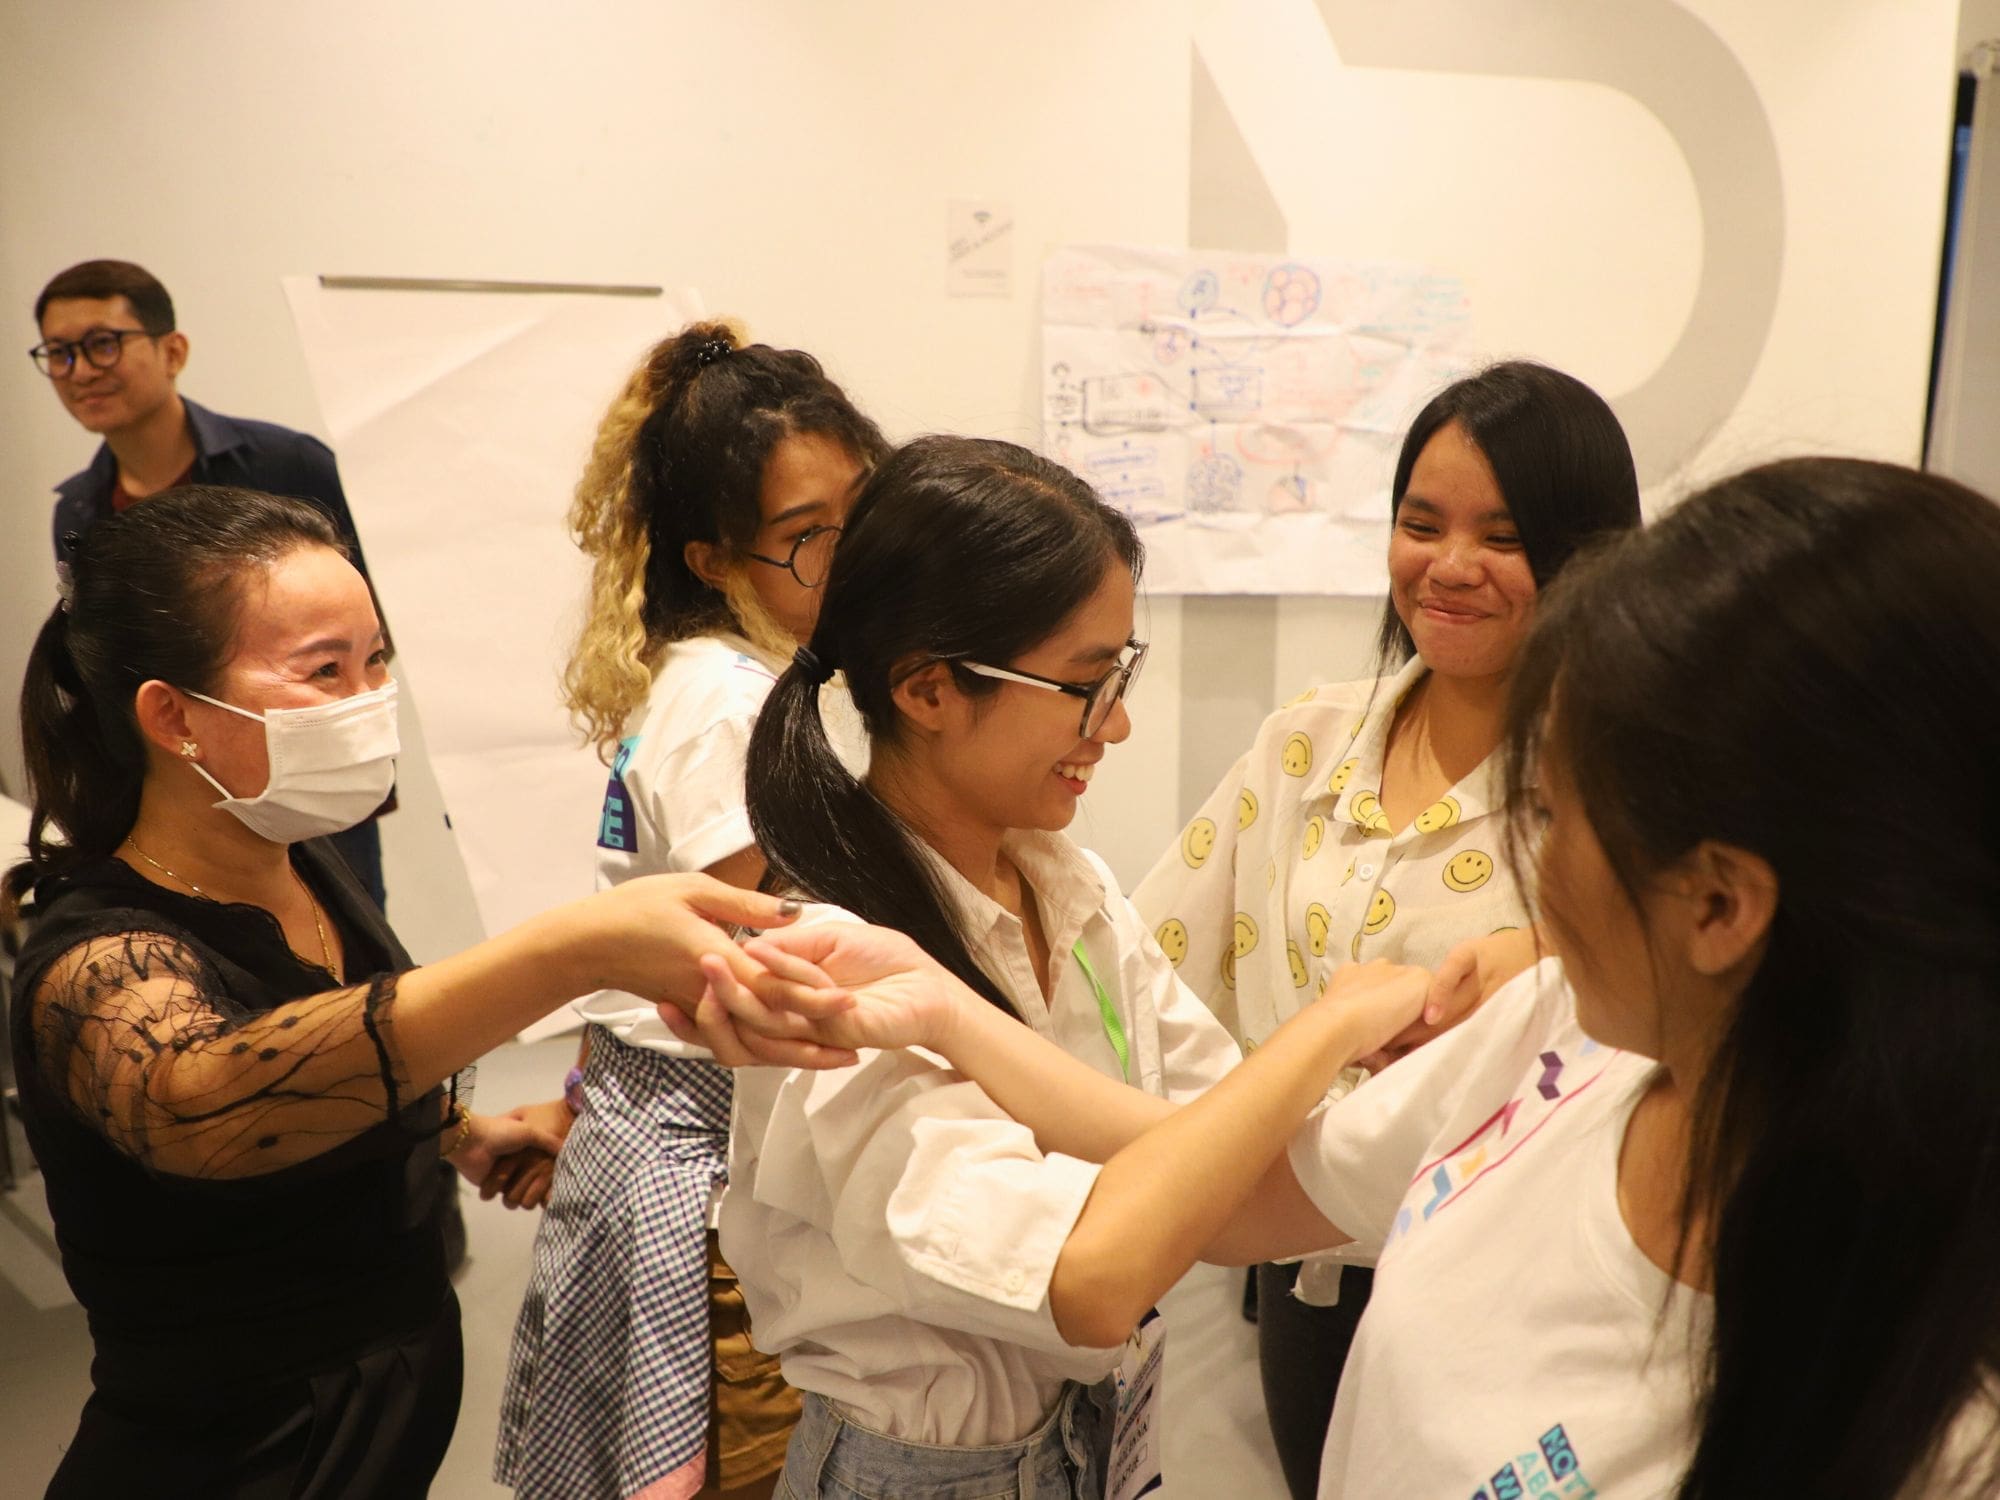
(1177, 1183)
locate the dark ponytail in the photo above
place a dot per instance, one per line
(957, 549)
(151, 593)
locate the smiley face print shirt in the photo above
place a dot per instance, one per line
(1290, 868)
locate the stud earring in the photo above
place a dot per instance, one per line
(190, 749)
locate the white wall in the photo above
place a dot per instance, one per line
(793, 160)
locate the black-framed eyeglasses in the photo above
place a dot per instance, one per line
(810, 558)
(103, 347)
(1099, 697)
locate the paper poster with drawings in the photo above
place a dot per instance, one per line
(1246, 409)
(462, 420)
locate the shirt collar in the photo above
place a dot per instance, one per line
(213, 434)
(1068, 890)
(1357, 797)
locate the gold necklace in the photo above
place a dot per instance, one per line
(319, 927)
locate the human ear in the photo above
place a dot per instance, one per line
(708, 562)
(174, 351)
(927, 695)
(162, 717)
(1734, 898)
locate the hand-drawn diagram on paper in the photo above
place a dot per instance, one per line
(1246, 409)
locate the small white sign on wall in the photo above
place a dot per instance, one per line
(979, 248)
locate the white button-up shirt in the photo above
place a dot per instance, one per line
(894, 1232)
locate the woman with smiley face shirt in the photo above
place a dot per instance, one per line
(1364, 822)
(894, 1231)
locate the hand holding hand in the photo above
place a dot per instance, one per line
(1380, 1000)
(836, 986)
(521, 1179)
(1466, 980)
(491, 1137)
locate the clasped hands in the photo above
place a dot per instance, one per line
(820, 992)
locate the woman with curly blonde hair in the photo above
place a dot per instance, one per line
(710, 506)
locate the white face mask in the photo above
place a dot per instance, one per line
(332, 764)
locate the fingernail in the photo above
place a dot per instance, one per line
(1433, 1014)
(790, 907)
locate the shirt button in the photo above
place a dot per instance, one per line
(1015, 1281)
(1366, 872)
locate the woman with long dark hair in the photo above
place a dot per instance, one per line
(1704, 1205)
(237, 1086)
(1364, 821)
(895, 1233)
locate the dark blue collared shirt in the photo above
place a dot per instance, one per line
(228, 450)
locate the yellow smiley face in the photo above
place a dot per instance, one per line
(1354, 948)
(1342, 774)
(1246, 809)
(1380, 910)
(1198, 842)
(1173, 939)
(1367, 811)
(1315, 836)
(1350, 873)
(1246, 934)
(1306, 697)
(1439, 816)
(1468, 870)
(1298, 962)
(1297, 756)
(1318, 921)
(1229, 967)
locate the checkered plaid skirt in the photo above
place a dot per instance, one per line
(608, 1386)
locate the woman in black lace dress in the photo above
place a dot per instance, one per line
(236, 1083)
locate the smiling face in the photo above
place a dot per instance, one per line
(1458, 575)
(307, 635)
(135, 387)
(1013, 757)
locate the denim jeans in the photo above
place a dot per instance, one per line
(832, 1458)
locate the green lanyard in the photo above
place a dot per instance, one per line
(1114, 1029)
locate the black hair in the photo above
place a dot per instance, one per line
(679, 457)
(1561, 459)
(95, 279)
(957, 549)
(1803, 662)
(720, 409)
(153, 592)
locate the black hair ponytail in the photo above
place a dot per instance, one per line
(957, 549)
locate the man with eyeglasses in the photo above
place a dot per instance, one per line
(110, 348)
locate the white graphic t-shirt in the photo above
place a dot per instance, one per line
(1518, 1342)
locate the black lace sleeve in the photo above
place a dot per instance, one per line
(132, 1030)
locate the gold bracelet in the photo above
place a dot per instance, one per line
(464, 1113)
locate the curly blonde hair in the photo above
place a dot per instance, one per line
(679, 457)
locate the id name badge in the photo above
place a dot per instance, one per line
(1135, 1428)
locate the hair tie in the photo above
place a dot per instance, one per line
(709, 353)
(814, 670)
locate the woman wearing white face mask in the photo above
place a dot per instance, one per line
(236, 1084)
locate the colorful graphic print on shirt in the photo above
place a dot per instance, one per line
(616, 827)
(1439, 1183)
(1550, 1468)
